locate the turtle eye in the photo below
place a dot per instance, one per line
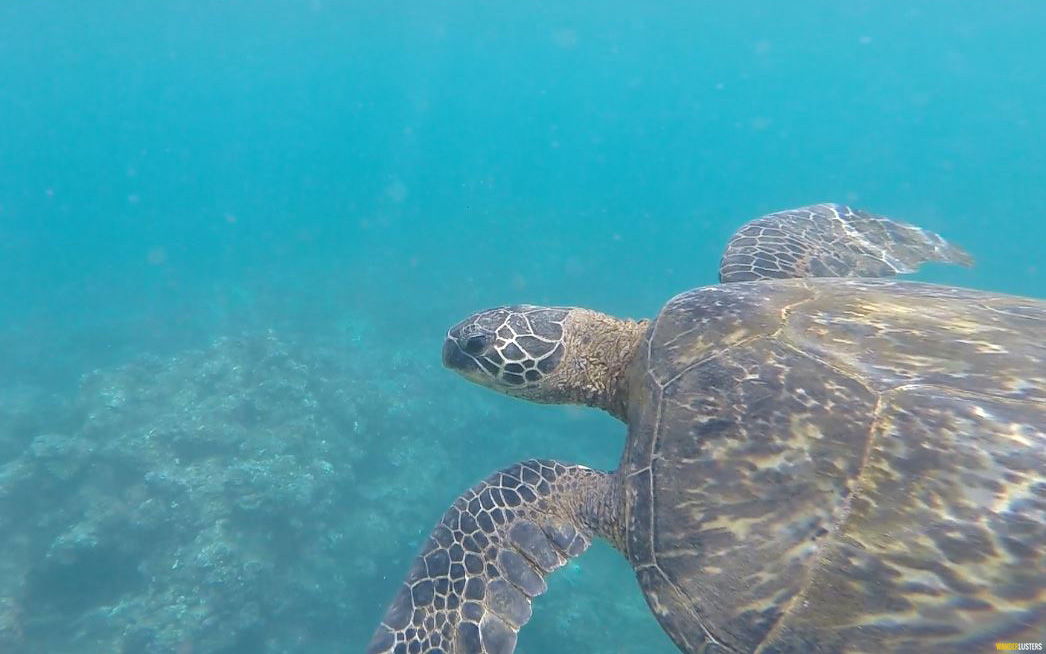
(475, 344)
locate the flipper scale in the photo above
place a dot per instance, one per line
(831, 240)
(470, 588)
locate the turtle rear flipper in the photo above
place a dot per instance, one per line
(470, 588)
(831, 240)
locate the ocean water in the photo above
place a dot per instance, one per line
(330, 185)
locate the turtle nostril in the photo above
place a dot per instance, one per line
(475, 344)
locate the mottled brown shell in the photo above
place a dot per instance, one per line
(840, 465)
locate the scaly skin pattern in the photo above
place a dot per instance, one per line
(552, 355)
(831, 240)
(840, 466)
(470, 588)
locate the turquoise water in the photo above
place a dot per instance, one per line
(365, 174)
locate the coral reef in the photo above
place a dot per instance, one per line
(202, 503)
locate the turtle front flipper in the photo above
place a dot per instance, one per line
(831, 240)
(470, 588)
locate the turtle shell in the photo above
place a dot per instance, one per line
(840, 465)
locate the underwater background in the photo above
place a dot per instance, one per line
(233, 234)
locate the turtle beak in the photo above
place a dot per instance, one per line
(453, 357)
(465, 344)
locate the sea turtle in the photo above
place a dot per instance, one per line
(818, 459)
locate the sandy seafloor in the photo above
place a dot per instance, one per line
(232, 235)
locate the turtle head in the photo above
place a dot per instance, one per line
(553, 355)
(510, 349)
